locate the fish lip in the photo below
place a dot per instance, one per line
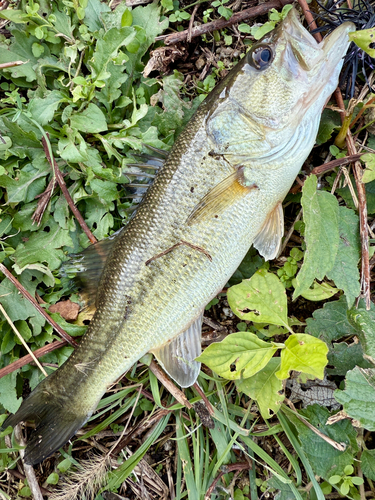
(331, 50)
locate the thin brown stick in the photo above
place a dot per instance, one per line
(227, 468)
(310, 19)
(11, 64)
(29, 470)
(169, 385)
(191, 23)
(66, 193)
(223, 23)
(25, 360)
(182, 242)
(31, 299)
(204, 397)
(338, 162)
(362, 209)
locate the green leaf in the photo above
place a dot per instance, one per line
(126, 18)
(363, 322)
(369, 173)
(358, 397)
(265, 388)
(368, 464)
(303, 353)
(239, 355)
(325, 460)
(43, 110)
(365, 40)
(8, 393)
(331, 322)
(261, 299)
(91, 120)
(319, 291)
(329, 122)
(44, 246)
(107, 49)
(345, 272)
(53, 478)
(321, 217)
(343, 357)
(93, 14)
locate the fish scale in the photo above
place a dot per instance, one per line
(220, 190)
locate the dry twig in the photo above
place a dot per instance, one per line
(66, 193)
(223, 23)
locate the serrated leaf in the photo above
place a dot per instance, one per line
(368, 464)
(107, 49)
(364, 323)
(93, 14)
(324, 458)
(358, 397)
(343, 357)
(265, 388)
(91, 120)
(321, 217)
(331, 322)
(345, 272)
(261, 299)
(303, 353)
(239, 355)
(43, 109)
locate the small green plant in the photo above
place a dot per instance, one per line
(222, 10)
(347, 482)
(290, 268)
(274, 17)
(207, 15)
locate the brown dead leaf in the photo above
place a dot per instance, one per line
(67, 309)
(162, 57)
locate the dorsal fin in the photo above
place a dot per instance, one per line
(85, 268)
(268, 240)
(177, 357)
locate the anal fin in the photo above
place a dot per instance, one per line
(177, 357)
(222, 196)
(268, 240)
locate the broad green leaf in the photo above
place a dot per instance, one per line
(369, 173)
(364, 39)
(107, 49)
(239, 355)
(324, 458)
(44, 246)
(364, 323)
(93, 14)
(331, 322)
(329, 122)
(319, 291)
(343, 357)
(358, 397)
(250, 264)
(321, 217)
(265, 388)
(303, 353)
(91, 120)
(368, 464)
(8, 393)
(261, 299)
(345, 272)
(43, 109)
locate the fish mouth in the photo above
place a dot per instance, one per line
(306, 59)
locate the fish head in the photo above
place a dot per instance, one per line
(286, 73)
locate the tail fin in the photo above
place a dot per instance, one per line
(55, 424)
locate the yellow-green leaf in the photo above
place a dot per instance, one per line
(364, 39)
(303, 353)
(239, 355)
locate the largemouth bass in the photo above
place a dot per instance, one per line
(219, 191)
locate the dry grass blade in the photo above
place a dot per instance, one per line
(23, 341)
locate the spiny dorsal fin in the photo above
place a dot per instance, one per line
(85, 268)
(177, 357)
(268, 240)
(222, 196)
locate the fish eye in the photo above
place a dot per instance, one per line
(260, 57)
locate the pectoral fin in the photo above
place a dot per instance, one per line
(178, 356)
(222, 196)
(268, 240)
